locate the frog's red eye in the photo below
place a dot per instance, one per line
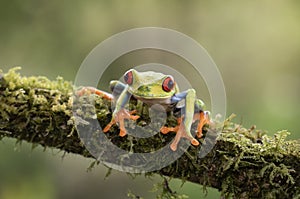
(128, 77)
(168, 84)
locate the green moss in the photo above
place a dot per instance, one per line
(244, 163)
(38, 110)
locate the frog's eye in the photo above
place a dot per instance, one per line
(128, 77)
(168, 84)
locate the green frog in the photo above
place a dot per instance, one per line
(155, 88)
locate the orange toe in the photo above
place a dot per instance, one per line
(165, 130)
(108, 126)
(195, 142)
(173, 146)
(122, 133)
(134, 117)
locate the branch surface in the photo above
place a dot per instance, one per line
(244, 163)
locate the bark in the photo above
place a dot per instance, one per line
(244, 163)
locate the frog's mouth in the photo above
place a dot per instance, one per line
(150, 101)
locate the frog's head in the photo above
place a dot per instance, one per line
(150, 85)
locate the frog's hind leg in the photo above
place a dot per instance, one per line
(92, 90)
(166, 130)
(116, 88)
(203, 117)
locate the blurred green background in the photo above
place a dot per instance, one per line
(256, 45)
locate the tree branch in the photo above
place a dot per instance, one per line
(244, 163)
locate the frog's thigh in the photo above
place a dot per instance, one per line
(199, 105)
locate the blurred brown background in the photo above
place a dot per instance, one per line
(256, 45)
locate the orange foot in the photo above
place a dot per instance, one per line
(119, 118)
(180, 133)
(165, 129)
(92, 90)
(203, 118)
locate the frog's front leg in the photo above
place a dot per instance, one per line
(120, 113)
(183, 130)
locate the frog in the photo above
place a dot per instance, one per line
(155, 88)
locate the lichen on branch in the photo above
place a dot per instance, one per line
(244, 163)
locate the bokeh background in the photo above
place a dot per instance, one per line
(256, 45)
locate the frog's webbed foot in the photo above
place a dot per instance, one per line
(92, 90)
(180, 133)
(203, 117)
(119, 118)
(166, 130)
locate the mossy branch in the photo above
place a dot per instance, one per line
(244, 163)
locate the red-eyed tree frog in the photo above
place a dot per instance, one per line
(155, 88)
